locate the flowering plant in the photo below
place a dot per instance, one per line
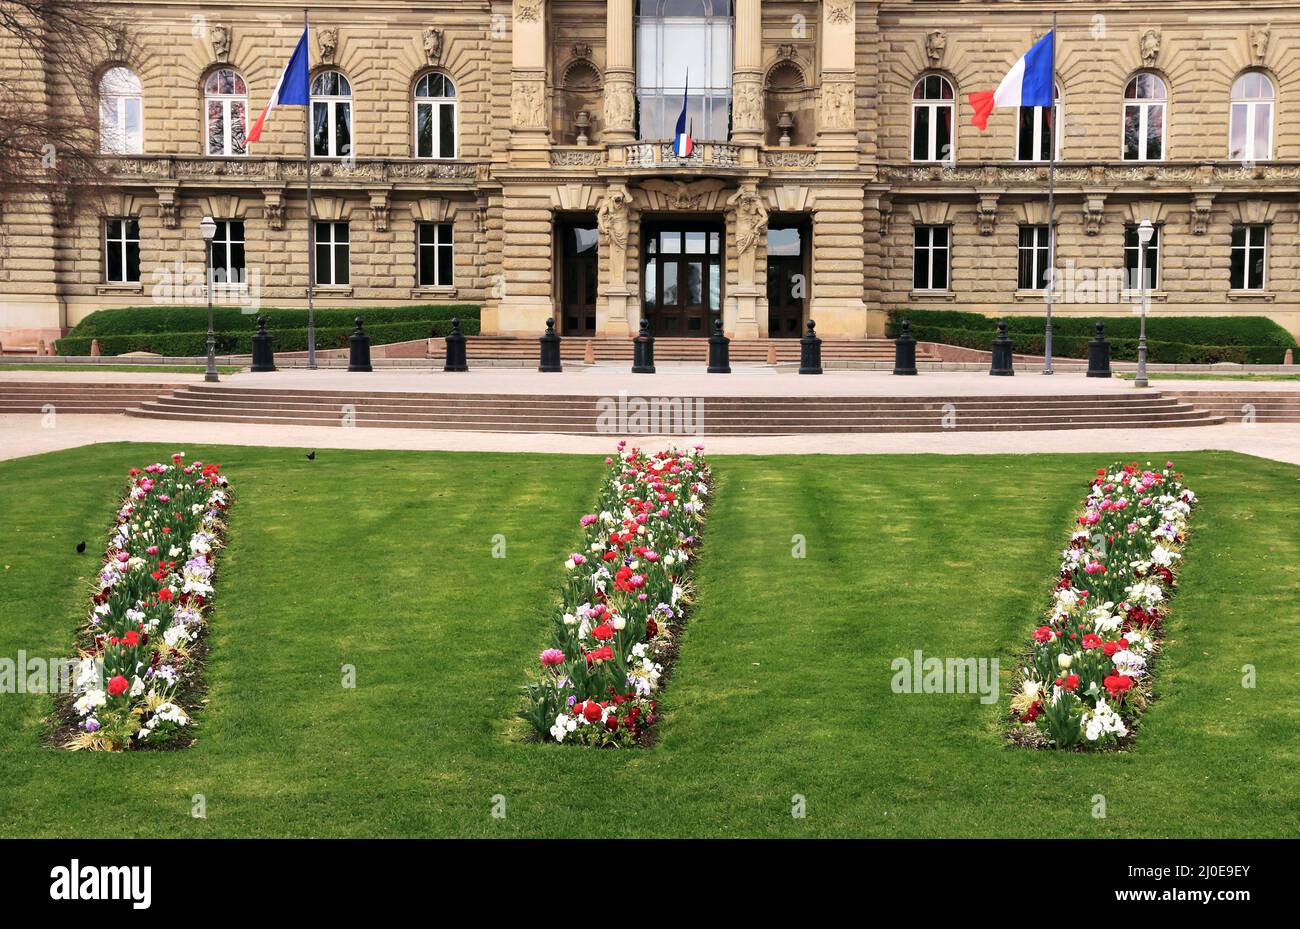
(138, 648)
(1088, 674)
(624, 597)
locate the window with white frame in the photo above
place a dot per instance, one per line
(225, 103)
(1250, 133)
(434, 254)
(681, 42)
(1036, 127)
(435, 116)
(122, 250)
(331, 115)
(1035, 257)
(228, 252)
(1249, 257)
(1145, 110)
(932, 119)
(332, 253)
(1150, 258)
(930, 257)
(121, 102)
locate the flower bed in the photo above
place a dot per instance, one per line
(624, 600)
(1088, 676)
(137, 654)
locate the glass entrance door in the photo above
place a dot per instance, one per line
(578, 273)
(682, 278)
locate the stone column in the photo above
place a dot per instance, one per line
(529, 132)
(837, 105)
(620, 77)
(747, 79)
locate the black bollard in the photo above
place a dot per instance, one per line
(455, 348)
(1099, 354)
(643, 350)
(810, 351)
(905, 351)
(359, 350)
(550, 359)
(263, 352)
(1002, 362)
(719, 351)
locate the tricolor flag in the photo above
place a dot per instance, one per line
(683, 144)
(1028, 83)
(293, 88)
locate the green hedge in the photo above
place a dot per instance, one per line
(182, 344)
(1170, 339)
(161, 319)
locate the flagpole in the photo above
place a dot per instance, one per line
(1051, 204)
(311, 226)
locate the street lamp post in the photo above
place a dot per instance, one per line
(1144, 232)
(209, 229)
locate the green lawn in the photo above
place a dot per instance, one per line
(383, 560)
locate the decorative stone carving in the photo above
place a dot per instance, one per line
(787, 51)
(935, 45)
(778, 159)
(682, 195)
(568, 158)
(612, 225)
(379, 210)
(839, 11)
(1201, 213)
(273, 208)
(1150, 47)
(886, 212)
(528, 11)
(619, 106)
(582, 50)
(167, 208)
(432, 45)
(328, 42)
(751, 218)
(1094, 209)
(747, 107)
(837, 106)
(528, 104)
(1259, 36)
(221, 37)
(986, 213)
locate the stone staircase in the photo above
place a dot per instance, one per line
(1238, 405)
(618, 350)
(676, 415)
(84, 397)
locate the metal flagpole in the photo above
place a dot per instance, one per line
(1051, 205)
(311, 226)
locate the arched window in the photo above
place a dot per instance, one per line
(435, 116)
(1145, 108)
(225, 98)
(1035, 129)
(121, 129)
(331, 115)
(932, 114)
(1250, 136)
(674, 39)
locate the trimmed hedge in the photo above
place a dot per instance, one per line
(183, 344)
(1170, 339)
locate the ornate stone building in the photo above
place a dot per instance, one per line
(518, 155)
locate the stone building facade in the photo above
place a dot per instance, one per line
(519, 155)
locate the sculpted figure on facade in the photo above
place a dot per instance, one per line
(221, 42)
(432, 45)
(837, 106)
(1150, 46)
(328, 40)
(529, 108)
(748, 112)
(1259, 36)
(612, 226)
(618, 106)
(935, 45)
(751, 218)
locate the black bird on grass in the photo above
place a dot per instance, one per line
(81, 547)
(311, 456)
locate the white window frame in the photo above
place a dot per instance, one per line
(1252, 106)
(118, 103)
(651, 83)
(226, 101)
(435, 105)
(332, 104)
(334, 245)
(928, 250)
(1245, 272)
(1039, 156)
(934, 105)
(1034, 251)
(438, 244)
(122, 240)
(1156, 245)
(1144, 105)
(223, 239)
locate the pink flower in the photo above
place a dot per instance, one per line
(552, 657)
(589, 519)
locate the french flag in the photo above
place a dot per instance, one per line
(1028, 83)
(683, 144)
(293, 88)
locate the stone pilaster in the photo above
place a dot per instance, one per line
(837, 104)
(838, 234)
(529, 125)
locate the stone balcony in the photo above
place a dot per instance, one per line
(1081, 176)
(162, 169)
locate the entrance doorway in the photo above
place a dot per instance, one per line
(578, 275)
(681, 275)
(787, 279)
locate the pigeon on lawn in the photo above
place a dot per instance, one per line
(81, 547)
(311, 456)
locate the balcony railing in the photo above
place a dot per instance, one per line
(659, 155)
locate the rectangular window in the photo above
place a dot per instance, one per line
(1249, 257)
(122, 251)
(332, 253)
(930, 258)
(1034, 258)
(435, 254)
(1150, 260)
(228, 253)
(1034, 133)
(670, 46)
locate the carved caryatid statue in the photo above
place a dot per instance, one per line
(751, 218)
(612, 225)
